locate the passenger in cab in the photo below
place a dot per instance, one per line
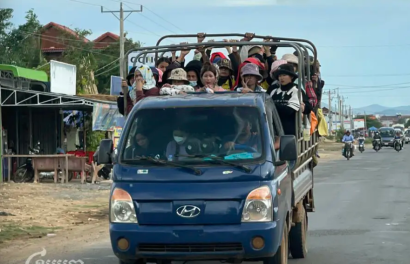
(243, 136)
(286, 98)
(141, 147)
(250, 79)
(226, 79)
(209, 77)
(193, 70)
(179, 83)
(178, 145)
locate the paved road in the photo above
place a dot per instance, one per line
(362, 213)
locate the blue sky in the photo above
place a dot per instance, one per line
(361, 43)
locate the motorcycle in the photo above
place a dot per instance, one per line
(25, 173)
(397, 144)
(361, 146)
(348, 150)
(377, 145)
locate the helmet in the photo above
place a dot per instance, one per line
(347, 132)
(361, 134)
(376, 133)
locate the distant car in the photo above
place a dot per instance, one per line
(407, 136)
(387, 135)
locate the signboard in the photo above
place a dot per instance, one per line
(358, 123)
(149, 59)
(116, 135)
(105, 117)
(63, 78)
(115, 87)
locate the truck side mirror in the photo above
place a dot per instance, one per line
(288, 148)
(105, 151)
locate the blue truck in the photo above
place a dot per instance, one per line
(186, 187)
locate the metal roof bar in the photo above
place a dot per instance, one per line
(55, 100)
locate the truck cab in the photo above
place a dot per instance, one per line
(211, 176)
(219, 198)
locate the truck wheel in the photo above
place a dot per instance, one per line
(281, 256)
(297, 238)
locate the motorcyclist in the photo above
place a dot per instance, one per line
(398, 137)
(376, 136)
(361, 139)
(348, 137)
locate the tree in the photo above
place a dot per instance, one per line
(371, 122)
(22, 44)
(401, 121)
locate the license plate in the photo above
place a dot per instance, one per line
(386, 144)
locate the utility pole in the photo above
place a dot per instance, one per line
(122, 43)
(122, 37)
(330, 115)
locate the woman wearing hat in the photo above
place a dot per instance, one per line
(286, 98)
(226, 74)
(179, 83)
(250, 79)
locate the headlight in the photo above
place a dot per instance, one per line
(122, 207)
(258, 206)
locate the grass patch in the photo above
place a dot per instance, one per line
(11, 232)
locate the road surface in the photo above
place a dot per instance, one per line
(362, 214)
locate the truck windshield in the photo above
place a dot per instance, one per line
(194, 135)
(387, 133)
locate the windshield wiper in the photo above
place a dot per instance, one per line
(218, 159)
(165, 162)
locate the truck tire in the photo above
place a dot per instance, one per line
(297, 237)
(282, 254)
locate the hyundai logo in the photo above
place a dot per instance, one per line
(188, 211)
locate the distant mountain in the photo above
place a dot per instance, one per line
(383, 110)
(371, 109)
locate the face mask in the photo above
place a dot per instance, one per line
(198, 56)
(193, 83)
(179, 140)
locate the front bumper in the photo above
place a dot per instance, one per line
(209, 242)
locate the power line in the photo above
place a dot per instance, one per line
(368, 75)
(369, 86)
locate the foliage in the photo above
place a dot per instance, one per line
(22, 44)
(339, 134)
(402, 121)
(371, 122)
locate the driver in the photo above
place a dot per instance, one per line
(243, 136)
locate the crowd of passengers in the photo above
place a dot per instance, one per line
(248, 69)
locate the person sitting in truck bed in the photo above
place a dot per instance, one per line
(179, 83)
(286, 98)
(209, 77)
(251, 79)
